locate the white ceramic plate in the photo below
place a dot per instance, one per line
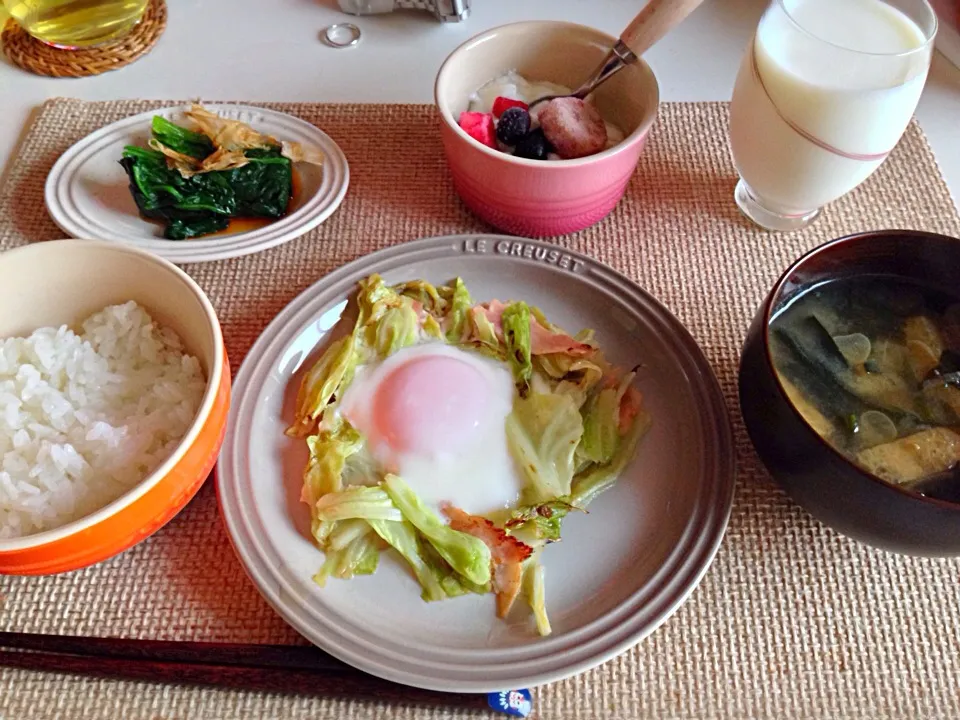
(620, 570)
(87, 192)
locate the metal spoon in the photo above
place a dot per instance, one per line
(657, 18)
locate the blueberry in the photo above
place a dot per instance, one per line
(514, 124)
(533, 145)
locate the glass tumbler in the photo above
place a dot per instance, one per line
(73, 24)
(824, 92)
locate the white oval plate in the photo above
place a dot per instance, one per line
(620, 570)
(87, 192)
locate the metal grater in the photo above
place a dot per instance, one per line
(443, 10)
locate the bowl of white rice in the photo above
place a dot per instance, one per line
(114, 392)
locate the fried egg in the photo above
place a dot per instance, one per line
(434, 415)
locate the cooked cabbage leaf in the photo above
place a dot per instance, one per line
(399, 327)
(543, 432)
(374, 297)
(465, 553)
(601, 427)
(388, 320)
(515, 321)
(359, 557)
(534, 590)
(458, 311)
(357, 501)
(589, 484)
(328, 456)
(534, 523)
(346, 532)
(402, 536)
(321, 383)
(432, 299)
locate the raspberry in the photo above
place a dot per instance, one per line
(504, 103)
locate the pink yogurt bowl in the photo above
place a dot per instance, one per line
(542, 198)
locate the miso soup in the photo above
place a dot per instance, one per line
(873, 365)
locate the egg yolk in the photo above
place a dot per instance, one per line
(430, 405)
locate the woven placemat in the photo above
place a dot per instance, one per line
(792, 620)
(31, 54)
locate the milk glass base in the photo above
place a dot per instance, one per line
(768, 219)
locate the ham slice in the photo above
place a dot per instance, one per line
(543, 340)
(507, 554)
(629, 408)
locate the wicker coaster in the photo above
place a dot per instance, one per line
(42, 59)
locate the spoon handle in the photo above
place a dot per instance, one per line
(657, 18)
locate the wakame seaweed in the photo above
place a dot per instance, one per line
(205, 202)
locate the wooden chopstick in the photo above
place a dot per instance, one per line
(268, 668)
(305, 657)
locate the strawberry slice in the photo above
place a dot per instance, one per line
(505, 103)
(479, 126)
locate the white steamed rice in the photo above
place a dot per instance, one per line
(84, 418)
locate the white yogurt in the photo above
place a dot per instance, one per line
(516, 87)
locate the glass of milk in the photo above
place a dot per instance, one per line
(824, 92)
